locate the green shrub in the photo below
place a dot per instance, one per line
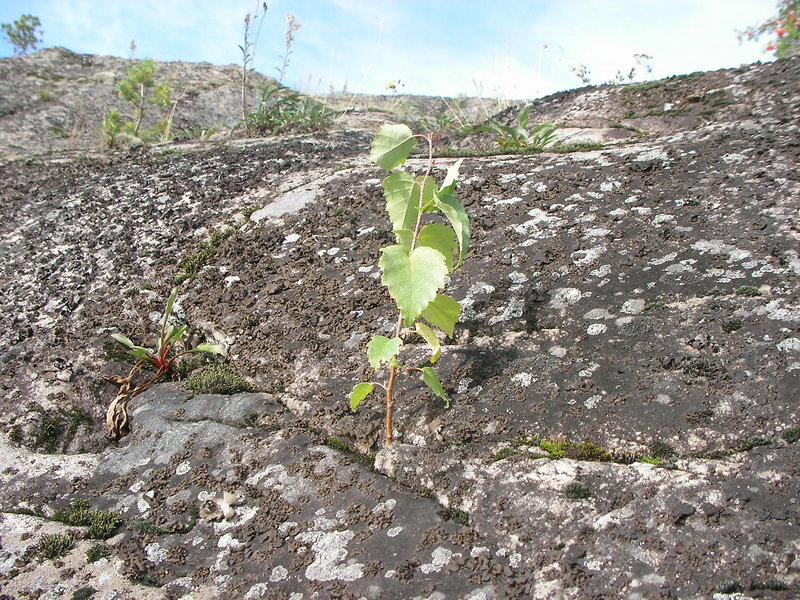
(521, 136)
(285, 111)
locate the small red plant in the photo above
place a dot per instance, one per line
(162, 358)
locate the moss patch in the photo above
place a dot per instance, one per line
(219, 378)
(101, 523)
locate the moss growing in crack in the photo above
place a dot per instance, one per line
(146, 528)
(652, 306)
(576, 147)
(731, 326)
(58, 428)
(114, 352)
(748, 290)
(189, 364)
(504, 453)
(554, 449)
(577, 490)
(53, 546)
(661, 450)
(752, 442)
(101, 524)
(368, 460)
(194, 262)
(791, 435)
(97, 552)
(249, 321)
(84, 593)
(454, 514)
(218, 378)
(248, 210)
(650, 461)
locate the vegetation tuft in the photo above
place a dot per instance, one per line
(101, 524)
(217, 378)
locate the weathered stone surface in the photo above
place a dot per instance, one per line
(640, 301)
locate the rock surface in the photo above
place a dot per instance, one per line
(624, 378)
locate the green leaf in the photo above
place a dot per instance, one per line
(381, 349)
(133, 349)
(404, 237)
(174, 334)
(402, 199)
(449, 183)
(140, 352)
(206, 347)
(391, 146)
(123, 339)
(430, 337)
(432, 381)
(443, 312)
(412, 278)
(455, 213)
(360, 391)
(168, 310)
(441, 238)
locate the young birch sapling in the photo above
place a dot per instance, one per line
(416, 267)
(162, 358)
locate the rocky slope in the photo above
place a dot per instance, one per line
(624, 378)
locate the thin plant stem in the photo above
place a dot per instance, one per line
(399, 326)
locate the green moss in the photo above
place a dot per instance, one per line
(717, 99)
(248, 210)
(661, 450)
(218, 378)
(731, 326)
(53, 546)
(575, 147)
(58, 428)
(577, 490)
(186, 365)
(504, 453)
(650, 461)
(84, 593)
(368, 460)
(555, 449)
(587, 451)
(791, 435)
(753, 442)
(193, 263)
(748, 290)
(657, 305)
(146, 528)
(645, 86)
(115, 351)
(97, 551)
(101, 523)
(454, 514)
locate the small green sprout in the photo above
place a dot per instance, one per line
(416, 267)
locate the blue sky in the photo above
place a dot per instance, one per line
(496, 48)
